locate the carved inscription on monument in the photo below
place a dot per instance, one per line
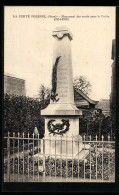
(62, 81)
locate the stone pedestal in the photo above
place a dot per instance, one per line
(63, 143)
(63, 146)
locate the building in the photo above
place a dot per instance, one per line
(13, 85)
(104, 106)
(81, 100)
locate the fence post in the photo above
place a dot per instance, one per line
(111, 130)
(55, 157)
(90, 157)
(38, 156)
(102, 156)
(96, 156)
(87, 130)
(44, 158)
(72, 155)
(8, 157)
(33, 156)
(109, 157)
(36, 136)
(84, 158)
(13, 155)
(23, 156)
(28, 156)
(99, 130)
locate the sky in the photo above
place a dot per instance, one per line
(28, 44)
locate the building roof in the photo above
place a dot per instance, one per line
(104, 105)
(86, 97)
(80, 97)
(12, 76)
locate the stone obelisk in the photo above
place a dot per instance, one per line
(61, 115)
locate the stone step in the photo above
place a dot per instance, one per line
(82, 155)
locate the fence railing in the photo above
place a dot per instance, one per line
(31, 159)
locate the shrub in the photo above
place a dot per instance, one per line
(95, 124)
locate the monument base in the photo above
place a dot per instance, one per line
(59, 147)
(56, 109)
(79, 156)
(62, 146)
(62, 136)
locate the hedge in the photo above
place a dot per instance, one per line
(22, 114)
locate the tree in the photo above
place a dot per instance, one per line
(44, 93)
(83, 84)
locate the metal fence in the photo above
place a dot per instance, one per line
(25, 159)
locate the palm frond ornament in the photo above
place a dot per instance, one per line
(54, 80)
